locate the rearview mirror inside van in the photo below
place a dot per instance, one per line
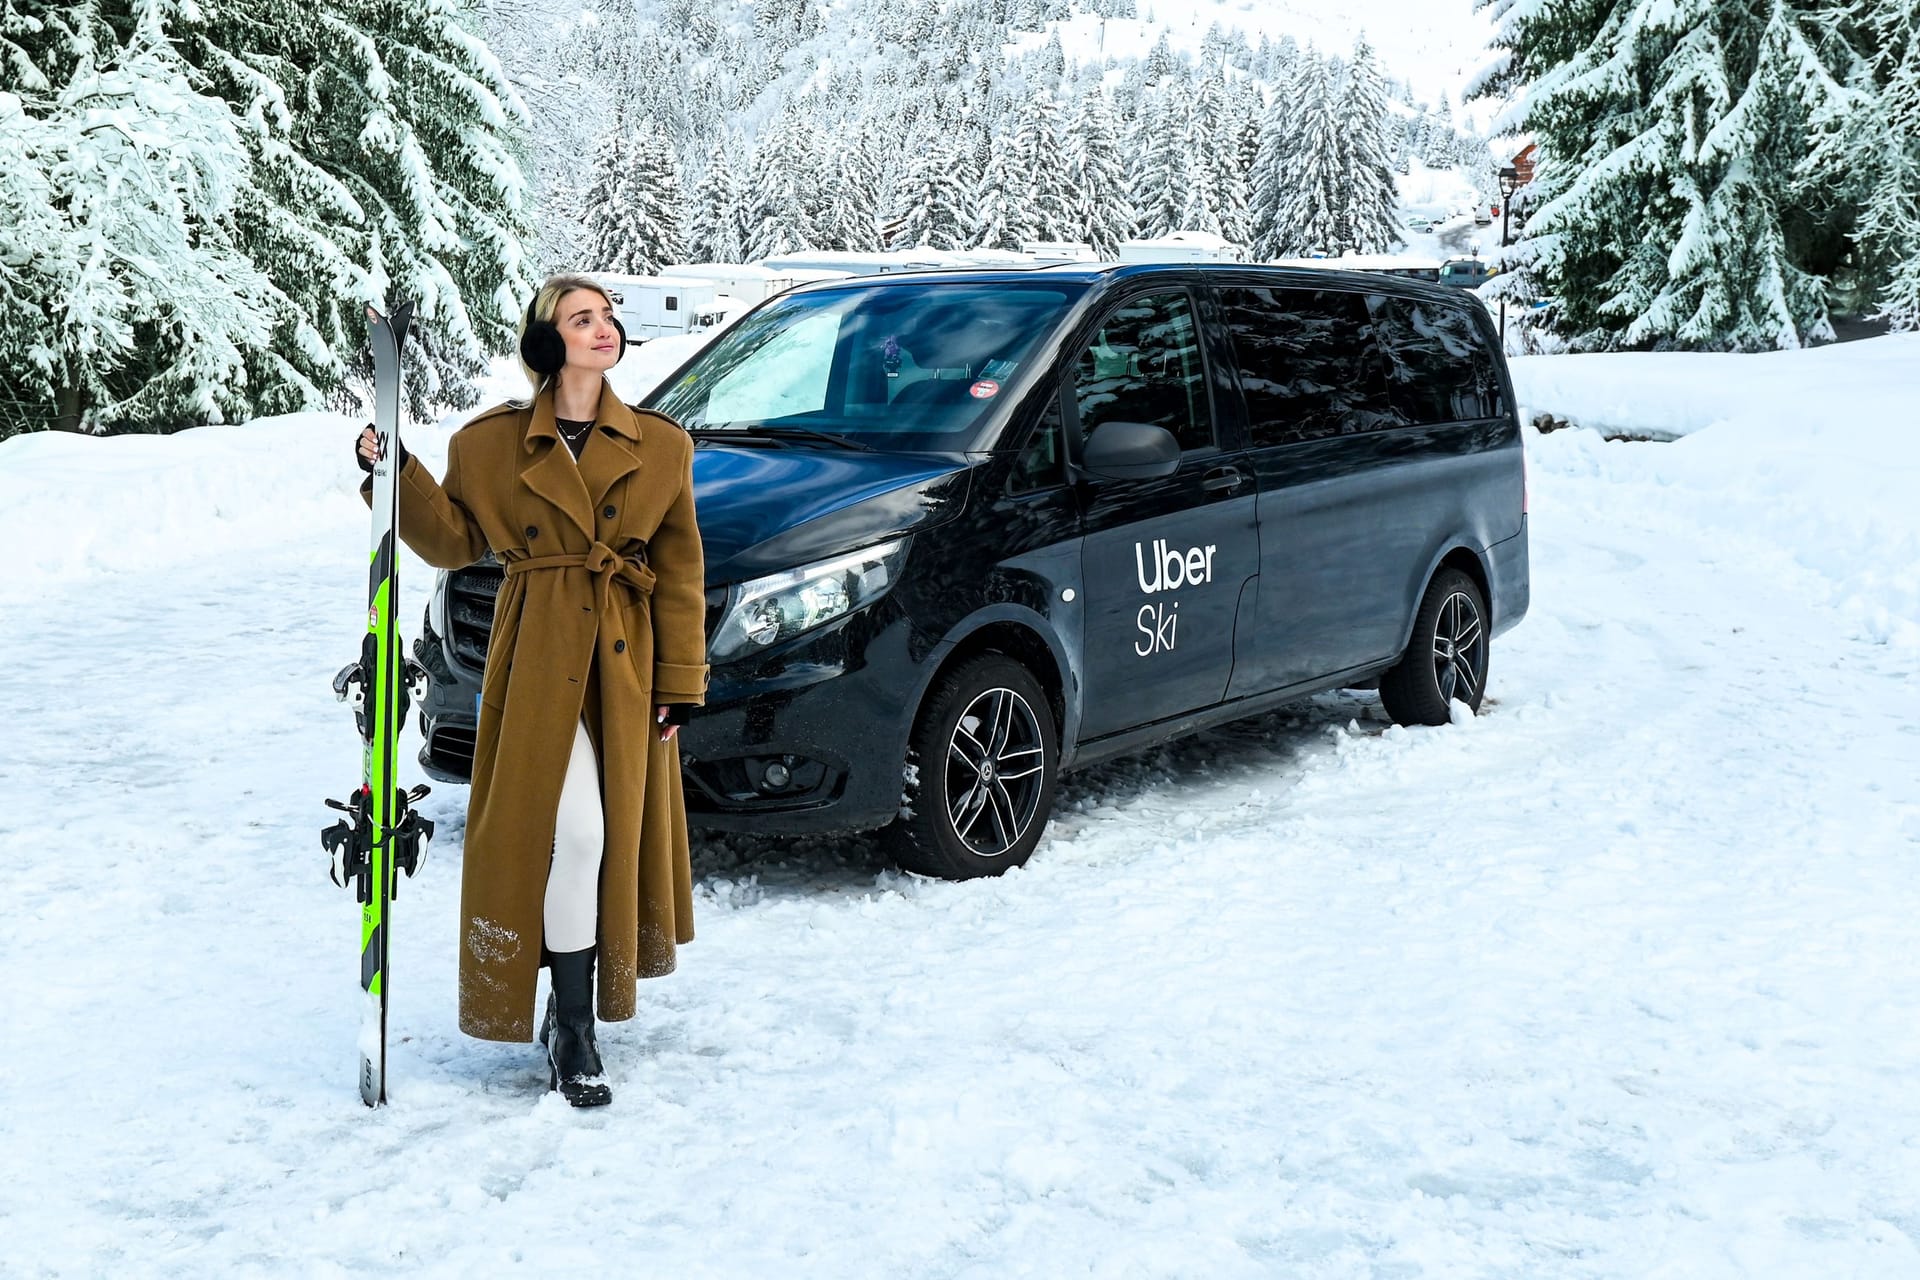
(1131, 451)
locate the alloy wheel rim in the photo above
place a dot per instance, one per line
(1459, 649)
(996, 763)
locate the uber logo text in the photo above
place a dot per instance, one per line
(1171, 571)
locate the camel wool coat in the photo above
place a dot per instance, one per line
(602, 614)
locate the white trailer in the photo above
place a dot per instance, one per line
(659, 306)
(749, 283)
(1050, 251)
(1183, 246)
(859, 264)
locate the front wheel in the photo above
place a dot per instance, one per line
(981, 770)
(1446, 659)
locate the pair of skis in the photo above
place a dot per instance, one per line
(383, 833)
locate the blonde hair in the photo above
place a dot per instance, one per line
(546, 301)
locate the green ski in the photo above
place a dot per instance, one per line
(382, 833)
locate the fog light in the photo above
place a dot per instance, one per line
(776, 776)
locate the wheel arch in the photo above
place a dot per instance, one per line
(1016, 634)
(1459, 557)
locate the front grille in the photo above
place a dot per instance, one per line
(470, 598)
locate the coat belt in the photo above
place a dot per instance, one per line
(599, 560)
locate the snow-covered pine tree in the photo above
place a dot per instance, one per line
(1051, 69)
(1050, 196)
(1890, 221)
(1308, 214)
(137, 309)
(712, 223)
(1157, 180)
(1670, 136)
(777, 192)
(386, 147)
(652, 192)
(1003, 211)
(1267, 181)
(855, 218)
(1241, 148)
(930, 206)
(1868, 146)
(1371, 219)
(1098, 208)
(1200, 193)
(612, 243)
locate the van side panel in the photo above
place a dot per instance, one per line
(1370, 460)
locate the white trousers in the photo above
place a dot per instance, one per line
(573, 880)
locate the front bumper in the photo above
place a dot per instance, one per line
(828, 712)
(808, 738)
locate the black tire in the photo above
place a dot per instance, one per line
(976, 802)
(1446, 658)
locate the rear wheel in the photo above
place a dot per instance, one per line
(1446, 659)
(982, 764)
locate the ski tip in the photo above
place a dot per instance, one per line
(402, 316)
(373, 314)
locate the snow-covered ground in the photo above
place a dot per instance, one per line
(1618, 979)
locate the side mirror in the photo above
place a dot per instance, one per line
(1131, 451)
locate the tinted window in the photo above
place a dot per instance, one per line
(1438, 368)
(905, 366)
(1144, 366)
(1307, 363)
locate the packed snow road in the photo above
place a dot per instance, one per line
(1618, 979)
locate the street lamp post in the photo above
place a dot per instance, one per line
(1509, 183)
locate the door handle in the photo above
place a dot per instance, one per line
(1222, 478)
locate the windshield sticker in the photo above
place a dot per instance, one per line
(985, 389)
(890, 356)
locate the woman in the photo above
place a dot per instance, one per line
(576, 844)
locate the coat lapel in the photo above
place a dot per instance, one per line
(553, 474)
(614, 452)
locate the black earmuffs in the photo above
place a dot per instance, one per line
(545, 351)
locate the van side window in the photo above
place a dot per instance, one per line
(1307, 363)
(1039, 465)
(1143, 365)
(1438, 366)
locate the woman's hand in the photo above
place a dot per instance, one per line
(367, 452)
(670, 716)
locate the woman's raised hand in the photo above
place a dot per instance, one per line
(367, 451)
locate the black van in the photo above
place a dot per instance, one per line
(967, 529)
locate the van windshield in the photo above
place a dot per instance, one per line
(893, 366)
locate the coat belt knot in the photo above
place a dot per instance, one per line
(600, 560)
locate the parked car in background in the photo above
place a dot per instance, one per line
(1464, 273)
(966, 530)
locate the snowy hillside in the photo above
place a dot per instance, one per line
(1615, 980)
(1435, 47)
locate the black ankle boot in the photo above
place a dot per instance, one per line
(573, 1060)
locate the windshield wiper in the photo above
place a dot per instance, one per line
(779, 434)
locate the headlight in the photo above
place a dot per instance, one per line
(780, 606)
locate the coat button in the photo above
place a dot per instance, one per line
(608, 513)
(532, 533)
(619, 646)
